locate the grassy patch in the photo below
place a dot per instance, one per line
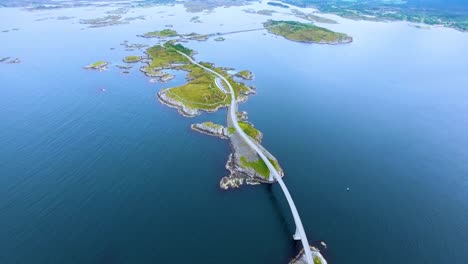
(245, 74)
(250, 130)
(231, 130)
(98, 64)
(163, 58)
(200, 92)
(259, 166)
(178, 47)
(132, 58)
(317, 260)
(275, 164)
(212, 125)
(165, 33)
(304, 32)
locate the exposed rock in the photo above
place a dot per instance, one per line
(108, 20)
(300, 258)
(182, 108)
(100, 66)
(196, 36)
(13, 61)
(124, 66)
(195, 19)
(133, 46)
(152, 72)
(211, 129)
(64, 17)
(230, 182)
(166, 77)
(240, 150)
(242, 116)
(4, 59)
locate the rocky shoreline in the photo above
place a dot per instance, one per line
(180, 106)
(100, 66)
(316, 255)
(246, 75)
(209, 128)
(9, 61)
(239, 174)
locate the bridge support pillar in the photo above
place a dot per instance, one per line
(296, 235)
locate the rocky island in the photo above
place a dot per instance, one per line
(132, 59)
(99, 65)
(243, 163)
(161, 34)
(200, 93)
(204, 92)
(245, 74)
(305, 32)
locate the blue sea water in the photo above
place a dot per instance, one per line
(94, 176)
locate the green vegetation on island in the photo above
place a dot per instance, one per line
(250, 130)
(305, 32)
(212, 125)
(245, 74)
(171, 45)
(132, 59)
(165, 33)
(219, 39)
(98, 65)
(426, 12)
(200, 92)
(259, 166)
(162, 57)
(317, 260)
(231, 130)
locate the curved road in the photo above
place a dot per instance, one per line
(300, 233)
